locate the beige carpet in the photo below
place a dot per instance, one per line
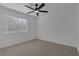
(38, 48)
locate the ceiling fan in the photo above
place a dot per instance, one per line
(37, 9)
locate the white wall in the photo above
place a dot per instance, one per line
(78, 27)
(59, 24)
(15, 38)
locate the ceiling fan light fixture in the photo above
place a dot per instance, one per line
(36, 11)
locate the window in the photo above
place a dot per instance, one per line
(15, 24)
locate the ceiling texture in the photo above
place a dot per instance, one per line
(20, 7)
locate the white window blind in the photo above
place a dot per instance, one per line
(15, 24)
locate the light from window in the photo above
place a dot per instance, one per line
(15, 24)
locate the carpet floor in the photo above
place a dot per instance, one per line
(38, 48)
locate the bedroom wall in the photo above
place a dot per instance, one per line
(15, 38)
(78, 27)
(59, 24)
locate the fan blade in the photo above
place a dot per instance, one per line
(41, 6)
(30, 12)
(37, 14)
(43, 11)
(29, 7)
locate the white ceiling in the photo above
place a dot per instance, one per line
(19, 7)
